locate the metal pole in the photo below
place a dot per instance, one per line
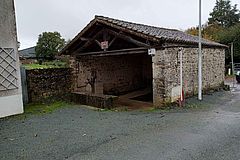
(200, 53)
(232, 63)
(181, 72)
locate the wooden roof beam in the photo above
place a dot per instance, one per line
(89, 42)
(126, 51)
(128, 38)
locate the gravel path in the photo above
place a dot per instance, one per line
(211, 131)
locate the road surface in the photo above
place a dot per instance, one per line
(209, 130)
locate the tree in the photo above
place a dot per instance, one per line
(224, 14)
(193, 31)
(209, 32)
(49, 44)
(231, 35)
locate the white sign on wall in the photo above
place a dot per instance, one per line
(152, 51)
(176, 93)
(104, 45)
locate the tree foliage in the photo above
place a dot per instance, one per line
(223, 26)
(209, 32)
(224, 14)
(193, 31)
(231, 35)
(49, 44)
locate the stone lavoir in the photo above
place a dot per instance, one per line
(111, 57)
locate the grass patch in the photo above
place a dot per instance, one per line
(230, 76)
(46, 65)
(38, 109)
(120, 109)
(151, 109)
(43, 108)
(192, 106)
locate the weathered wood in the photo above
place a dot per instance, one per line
(121, 53)
(105, 33)
(109, 45)
(99, 44)
(24, 85)
(89, 42)
(85, 39)
(114, 52)
(128, 38)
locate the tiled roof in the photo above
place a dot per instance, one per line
(171, 35)
(148, 32)
(28, 53)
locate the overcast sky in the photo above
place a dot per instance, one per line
(70, 16)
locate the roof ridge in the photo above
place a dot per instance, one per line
(147, 31)
(100, 16)
(182, 33)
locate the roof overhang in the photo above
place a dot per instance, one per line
(183, 39)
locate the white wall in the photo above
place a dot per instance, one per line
(11, 99)
(11, 105)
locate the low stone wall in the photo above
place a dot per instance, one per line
(45, 83)
(99, 101)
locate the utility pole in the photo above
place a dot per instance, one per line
(181, 73)
(181, 77)
(232, 63)
(200, 53)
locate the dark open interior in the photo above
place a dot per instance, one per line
(123, 67)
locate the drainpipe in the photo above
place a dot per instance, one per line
(181, 74)
(233, 73)
(200, 53)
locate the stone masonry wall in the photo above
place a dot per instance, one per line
(167, 68)
(45, 83)
(114, 74)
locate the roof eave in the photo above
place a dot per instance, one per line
(98, 19)
(64, 50)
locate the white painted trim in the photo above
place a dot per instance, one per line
(11, 105)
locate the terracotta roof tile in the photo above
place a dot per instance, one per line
(172, 35)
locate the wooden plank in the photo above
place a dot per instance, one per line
(109, 45)
(99, 44)
(128, 38)
(120, 53)
(89, 42)
(85, 39)
(105, 33)
(24, 85)
(113, 52)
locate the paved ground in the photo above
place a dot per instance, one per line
(210, 132)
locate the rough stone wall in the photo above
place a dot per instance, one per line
(74, 72)
(45, 83)
(167, 68)
(114, 74)
(159, 72)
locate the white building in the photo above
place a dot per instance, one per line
(10, 82)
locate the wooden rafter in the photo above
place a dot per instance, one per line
(89, 42)
(105, 36)
(99, 43)
(115, 52)
(85, 39)
(113, 40)
(128, 38)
